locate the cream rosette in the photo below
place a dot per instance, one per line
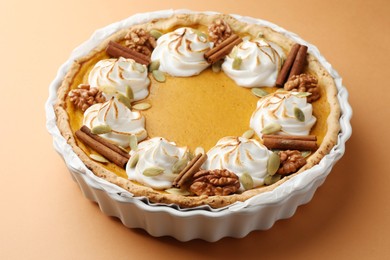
(239, 155)
(259, 66)
(160, 155)
(121, 120)
(181, 52)
(289, 110)
(120, 74)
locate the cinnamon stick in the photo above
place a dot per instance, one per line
(192, 167)
(117, 50)
(290, 143)
(299, 62)
(285, 71)
(109, 154)
(103, 141)
(223, 49)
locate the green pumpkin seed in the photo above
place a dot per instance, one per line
(158, 75)
(124, 100)
(179, 165)
(142, 106)
(133, 160)
(177, 191)
(216, 67)
(236, 65)
(258, 92)
(273, 163)
(155, 33)
(248, 134)
(271, 128)
(108, 90)
(153, 171)
(139, 67)
(98, 158)
(246, 181)
(129, 93)
(101, 129)
(199, 150)
(271, 179)
(303, 94)
(299, 115)
(133, 142)
(201, 35)
(234, 52)
(154, 65)
(305, 153)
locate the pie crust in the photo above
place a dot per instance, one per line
(325, 81)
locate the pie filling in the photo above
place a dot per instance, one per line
(198, 110)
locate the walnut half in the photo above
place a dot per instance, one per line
(84, 96)
(290, 161)
(215, 182)
(219, 31)
(304, 83)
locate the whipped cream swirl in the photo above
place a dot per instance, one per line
(279, 107)
(239, 155)
(120, 73)
(122, 121)
(261, 63)
(156, 152)
(181, 52)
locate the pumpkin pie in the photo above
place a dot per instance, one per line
(198, 109)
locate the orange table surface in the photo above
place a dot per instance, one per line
(45, 216)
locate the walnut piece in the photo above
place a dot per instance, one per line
(304, 83)
(219, 31)
(83, 96)
(290, 161)
(215, 182)
(141, 41)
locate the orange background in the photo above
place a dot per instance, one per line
(45, 216)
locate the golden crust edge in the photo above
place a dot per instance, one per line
(63, 124)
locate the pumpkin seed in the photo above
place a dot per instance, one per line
(271, 128)
(236, 65)
(142, 106)
(139, 67)
(129, 93)
(271, 179)
(177, 191)
(101, 129)
(153, 171)
(201, 35)
(158, 75)
(234, 52)
(303, 94)
(273, 163)
(299, 115)
(154, 65)
(305, 153)
(258, 92)
(133, 160)
(179, 165)
(216, 67)
(199, 150)
(246, 181)
(108, 90)
(98, 158)
(124, 100)
(155, 33)
(248, 134)
(133, 142)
